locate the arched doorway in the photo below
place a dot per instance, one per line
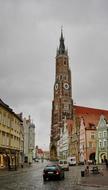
(53, 152)
(92, 156)
(102, 157)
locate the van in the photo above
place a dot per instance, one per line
(64, 164)
(72, 161)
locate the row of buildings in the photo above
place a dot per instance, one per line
(74, 128)
(41, 154)
(17, 137)
(84, 140)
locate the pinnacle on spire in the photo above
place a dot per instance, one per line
(62, 33)
(61, 49)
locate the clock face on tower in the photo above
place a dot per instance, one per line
(56, 86)
(66, 86)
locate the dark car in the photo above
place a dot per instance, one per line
(36, 159)
(53, 171)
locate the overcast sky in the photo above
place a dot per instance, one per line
(29, 36)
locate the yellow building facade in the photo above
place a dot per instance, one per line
(11, 137)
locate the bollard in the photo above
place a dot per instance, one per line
(82, 173)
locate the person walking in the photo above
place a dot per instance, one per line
(87, 170)
(8, 162)
(106, 163)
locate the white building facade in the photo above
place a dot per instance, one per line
(102, 141)
(29, 140)
(82, 142)
(64, 142)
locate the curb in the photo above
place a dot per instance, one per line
(94, 185)
(12, 173)
(22, 170)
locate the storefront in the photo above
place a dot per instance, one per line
(9, 158)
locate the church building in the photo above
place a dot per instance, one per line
(83, 119)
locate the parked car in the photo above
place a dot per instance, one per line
(71, 160)
(53, 171)
(36, 159)
(64, 164)
(81, 163)
(90, 161)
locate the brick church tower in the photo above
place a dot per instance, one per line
(62, 103)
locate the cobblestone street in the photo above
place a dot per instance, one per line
(31, 179)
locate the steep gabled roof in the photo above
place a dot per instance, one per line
(102, 122)
(91, 116)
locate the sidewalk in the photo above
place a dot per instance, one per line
(5, 172)
(96, 180)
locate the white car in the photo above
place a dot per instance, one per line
(90, 161)
(64, 164)
(72, 161)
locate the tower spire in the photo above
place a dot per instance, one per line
(61, 49)
(62, 33)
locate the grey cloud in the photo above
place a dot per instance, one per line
(29, 36)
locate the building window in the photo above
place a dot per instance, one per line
(64, 62)
(56, 107)
(100, 143)
(104, 134)
(66, 107)
(65, 77)
(4, 138)
(90, 144)
(92, 135)
(100, 135)
(7, 140)
(60, 77)
(104, 143)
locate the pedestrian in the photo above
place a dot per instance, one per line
(87, 170)
(8, 162)
(94, 161)
(22, 165)
(102, 160)
(84, 161)
(106, 163)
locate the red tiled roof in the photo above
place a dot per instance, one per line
(40, 151)
(90, 115)
(81, 109)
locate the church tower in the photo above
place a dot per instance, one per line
(62, 104)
